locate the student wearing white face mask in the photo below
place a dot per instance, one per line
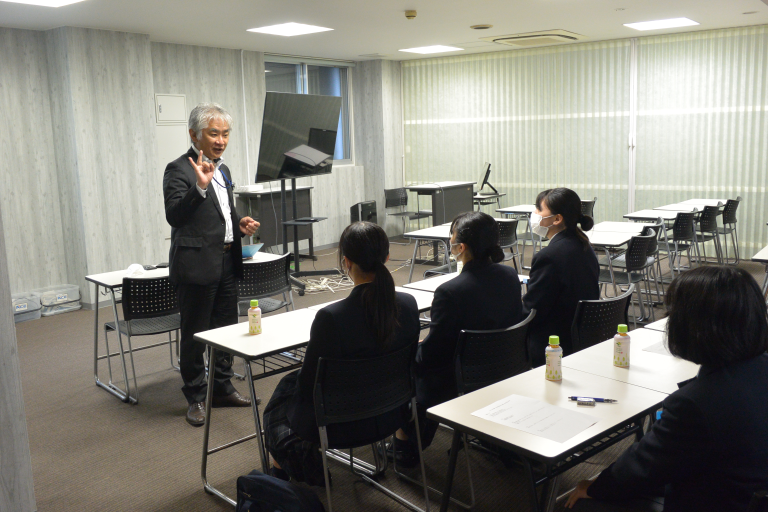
(562, 274)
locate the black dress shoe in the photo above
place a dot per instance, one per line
(196, 414)
(403, 453)
(233, 400)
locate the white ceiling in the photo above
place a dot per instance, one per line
(364, 27)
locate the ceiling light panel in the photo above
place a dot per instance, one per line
(659, 24)
(289, 29)
(433, 49)
(44, 3)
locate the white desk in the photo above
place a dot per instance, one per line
(423, 299)
(431, 284)
(705, 202)
(679, 207)
(658, 372)
(523, 211)
(634, 228)
(634, 402)
(280, 334)
(609, 240)
(762, 257)
(658, 325)
(440, 234)
(666, 215)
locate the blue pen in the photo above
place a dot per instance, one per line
(604, 400)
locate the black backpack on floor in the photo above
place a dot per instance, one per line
(257, 492)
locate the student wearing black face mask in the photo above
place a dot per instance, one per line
(562, 274)
(486, 295)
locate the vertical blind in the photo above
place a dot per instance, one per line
(560, 116)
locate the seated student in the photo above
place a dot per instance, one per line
(372, 320)
(710, 447)
(562, 274)
(485, 296)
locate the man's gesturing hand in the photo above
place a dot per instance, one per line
(203, 170)
(248, 226)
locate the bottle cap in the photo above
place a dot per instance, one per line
(554, 340)
(254, 303)
(622, 328)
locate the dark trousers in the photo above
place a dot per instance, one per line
(204, 308)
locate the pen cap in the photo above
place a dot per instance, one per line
(622, 328)
(554, 340)
(254, 303)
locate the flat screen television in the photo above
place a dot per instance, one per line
(298, 136)
(484, 177)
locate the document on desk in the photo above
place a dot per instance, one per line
(657, 348)
(537, 417)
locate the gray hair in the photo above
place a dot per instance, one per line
(202, 115)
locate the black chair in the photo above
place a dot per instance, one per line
(759, 502)
(588, 207)
(683, 238)
(729, 228)
(348, 390)
(709, 231)
(150, 306)
(636, 270)
(508, 240)
(264, 279)
(398, 198)
(596, 320)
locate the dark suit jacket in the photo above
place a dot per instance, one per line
(484, 296)
(710, 447)
(340, 331)
(197, 226)
(562, 274)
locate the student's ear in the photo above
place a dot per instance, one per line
(385, 261)
(558, 219)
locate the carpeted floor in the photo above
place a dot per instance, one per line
(92, 452)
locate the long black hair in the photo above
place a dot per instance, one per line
(480, 232)
(716, 316)
(567, 203)
(367, 245)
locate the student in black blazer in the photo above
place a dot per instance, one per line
(205, 256)
(484, 296)
(372, 320)
(709, 450)
(562, 274)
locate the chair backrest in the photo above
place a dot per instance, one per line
(596, 320)
(507, 232)
(682, 229)
(483, 358)
(265, 278)
(637, 253)
(759, 502)
(729, 212)
(654, 231)
(708, 219)
(395, 197)
(355, 389)
(148, 298)
(588, 207)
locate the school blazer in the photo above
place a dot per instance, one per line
(561, 275)
(197, 226)
(484, 296)
(340, 331)
(710, 447)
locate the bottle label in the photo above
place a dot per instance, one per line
(254, 322)
(621, 351)
(554, 363)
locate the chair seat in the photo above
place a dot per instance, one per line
(705, 237)
(147, 326)
(622, 278)
(725, 230)
(266, 305)
(526, 237)
(411, 215)
(621, 261)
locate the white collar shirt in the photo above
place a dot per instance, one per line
(219, 184)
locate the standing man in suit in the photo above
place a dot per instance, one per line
(206, 253)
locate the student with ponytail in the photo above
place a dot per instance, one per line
(563, 273)
(485, 296)
(372, 320)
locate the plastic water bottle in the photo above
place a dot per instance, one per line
(621, 347)
(554, 356)
(254, 318)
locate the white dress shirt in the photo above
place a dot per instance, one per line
(221, 193)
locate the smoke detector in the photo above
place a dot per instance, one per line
(542, 38)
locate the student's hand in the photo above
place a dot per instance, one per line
(578, 493)
(248, 226)
(203, 171)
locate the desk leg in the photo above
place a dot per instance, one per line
(549, 494)
(610, 269)
(447, 258)
(96, 338)
(531, 484)
(257, 421)
(451, 470)
(206, 432)
(413, 259)
(765, 281)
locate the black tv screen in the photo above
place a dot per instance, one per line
(298, 135)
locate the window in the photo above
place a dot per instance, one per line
(315, 79)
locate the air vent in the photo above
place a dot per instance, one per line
(545, 37)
